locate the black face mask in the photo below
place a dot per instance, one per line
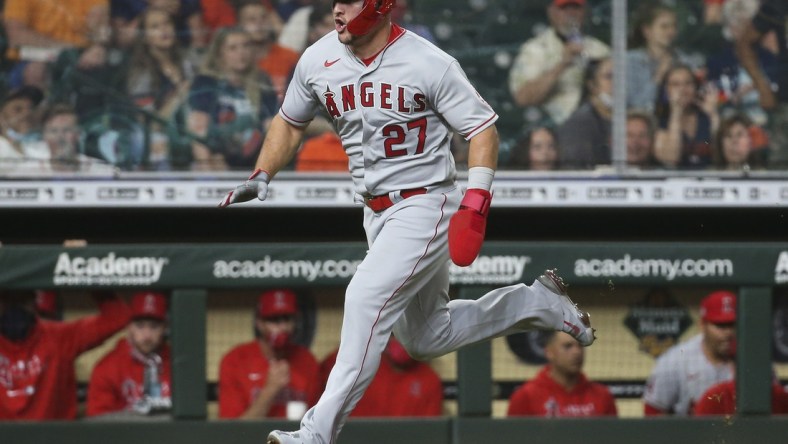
(16, 323)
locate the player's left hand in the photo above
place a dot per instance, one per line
(255, 186)
(467, 226)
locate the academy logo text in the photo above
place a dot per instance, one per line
(490, 270)
(667, 268)
(108, 270)
(268, 268)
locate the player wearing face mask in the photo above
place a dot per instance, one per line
(37, 380)
(260, 378)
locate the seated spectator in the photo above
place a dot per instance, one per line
(402, 16)
(134, 378)
(733, 146)
(39, 381)
(18, 118)
(585, 136)
(548, 71)
(737, 91)
(687, 117)
(322, 153)
(640, 140)
(273, 59)
(217, 14)
(49, 306)
(401, 387)
(561, 389)
(720, 399)
(61, 148)
(686, 370)
(159, 79)
(125, 16)
(772, 86)
(260, 378)
(536, 151)
(53, 25)
(651, 53)
(230, 105)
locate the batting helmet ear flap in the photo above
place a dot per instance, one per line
(371, 14)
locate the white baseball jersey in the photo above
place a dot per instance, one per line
(394, 116)
(681, 376)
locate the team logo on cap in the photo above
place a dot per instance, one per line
(150, 304)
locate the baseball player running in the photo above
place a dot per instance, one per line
(394, 100)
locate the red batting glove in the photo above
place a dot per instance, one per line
(467, 226)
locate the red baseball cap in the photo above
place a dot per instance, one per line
(278, 302)
(562, 3)
(719, 307)
(46, 302)
(149, 304)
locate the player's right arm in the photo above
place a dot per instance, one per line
(280, 145)
(662, 387)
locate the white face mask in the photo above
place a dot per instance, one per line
(606, 99)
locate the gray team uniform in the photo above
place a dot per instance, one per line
(681, 375)
(395, 118)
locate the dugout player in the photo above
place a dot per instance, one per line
(686, 370)
(260, 378)
(395, 100)
(37, 378)
(402, 386)
(135, 377)
(561, 389)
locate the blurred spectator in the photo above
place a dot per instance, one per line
(134, 378)
(159, 78)
(300, 26)
(322, 153)
(712, 11)
(60, 149)
(733, 146)
(186, 13)
(585, 136)
(773, 90)
(401, 15)
(273, 59)
(687, 117)
(49, 306)
(260, 378)
(219, 14)
(286, 8)
(561, 389)
(684, 372)
(38, 29)
(640, 140)
(737, 92)
(37, 378)
(536, 151)
(720, 399)
(18, 117)
(548, 70)
(230, 104)
(401, 387)
(651, 53)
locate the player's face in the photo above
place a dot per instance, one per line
(344, 12)
(273, 326)
(565, 354)
(236, 53)
(159, 30)
(146, 335)
(542, 152)
(638, 142)
(736, 144)
(719, 339)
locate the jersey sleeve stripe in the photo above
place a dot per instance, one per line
(292, 120)
(481, 127)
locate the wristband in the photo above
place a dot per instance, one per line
(480, 177)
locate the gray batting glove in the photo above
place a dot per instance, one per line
(255, 186)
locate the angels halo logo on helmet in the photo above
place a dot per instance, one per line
(371, 14)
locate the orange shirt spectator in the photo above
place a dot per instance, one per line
(65, 22)
(322, 153)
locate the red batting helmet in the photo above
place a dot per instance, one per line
(371, 14)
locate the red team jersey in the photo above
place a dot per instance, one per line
(415, 392)
(542, 396)
(117, 381)
(37, 379)
(243, 373)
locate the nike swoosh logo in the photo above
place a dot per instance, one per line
(328, 64)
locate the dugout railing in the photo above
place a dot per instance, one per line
(189, 271)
